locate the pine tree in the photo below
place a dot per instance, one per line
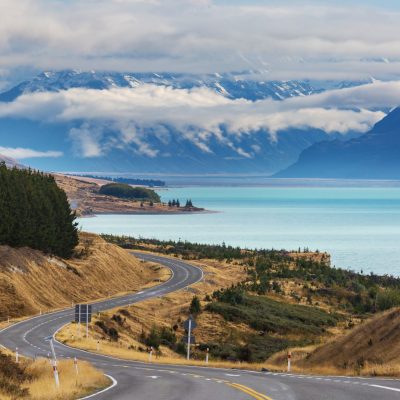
(35, 212)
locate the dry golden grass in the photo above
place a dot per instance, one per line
(31, 281)
(370, 349)
(72, 385)
(40, 383)
(120, 351)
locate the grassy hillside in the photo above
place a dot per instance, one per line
(374, 343)
(281, 299)
(31, 281)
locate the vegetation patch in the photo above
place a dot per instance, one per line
(269, 316)
(124, 191)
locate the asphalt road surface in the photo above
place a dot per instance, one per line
(144, 381)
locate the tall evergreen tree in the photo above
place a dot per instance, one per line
(35, 212)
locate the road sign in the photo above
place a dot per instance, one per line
(192, 339)
(83, 313)
(193, 324)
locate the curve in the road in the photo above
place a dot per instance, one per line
(151, 381)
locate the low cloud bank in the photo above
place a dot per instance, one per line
(120, 116)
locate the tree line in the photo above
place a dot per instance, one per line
(35, 212)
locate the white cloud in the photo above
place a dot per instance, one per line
(20, 153)
(120, 117)
(86, 140)
(150, 105)
(291, 39)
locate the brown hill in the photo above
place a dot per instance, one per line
(31, 281)
(375, 341)
(83, 194)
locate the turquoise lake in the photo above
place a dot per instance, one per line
(359, 227)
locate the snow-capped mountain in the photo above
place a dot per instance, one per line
(233, 85)
(129, 146)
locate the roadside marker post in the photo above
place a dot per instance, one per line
(16, 355)
(208, 351)
(150, 353)
(76, 365)
(289, 356)
(55, 371)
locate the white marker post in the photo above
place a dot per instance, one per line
(289, 356)
(16, 355)
(150, 353)
(208, 350)
(188, 342)
(55, 371)
(76, 366)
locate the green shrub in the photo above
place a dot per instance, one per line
(388, 298)
(195, 306)
(124, 191)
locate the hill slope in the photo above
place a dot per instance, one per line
(31, 281)
(375, 155)
(375, 341)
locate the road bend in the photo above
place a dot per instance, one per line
(144, 381)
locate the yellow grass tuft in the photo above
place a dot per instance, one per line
(43, 387)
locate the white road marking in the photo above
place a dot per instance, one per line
(385, 387)
(114, 383)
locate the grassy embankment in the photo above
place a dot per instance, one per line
(33, 380)
(31, 281)
(283, 300)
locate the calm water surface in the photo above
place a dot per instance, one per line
(359, 227)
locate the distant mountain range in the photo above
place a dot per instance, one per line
(374, 155)
(230, 85)
(177, 153)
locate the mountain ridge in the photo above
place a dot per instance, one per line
(374, 155)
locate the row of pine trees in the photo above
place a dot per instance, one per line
(35, 212)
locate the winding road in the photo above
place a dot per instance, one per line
(143, 381)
